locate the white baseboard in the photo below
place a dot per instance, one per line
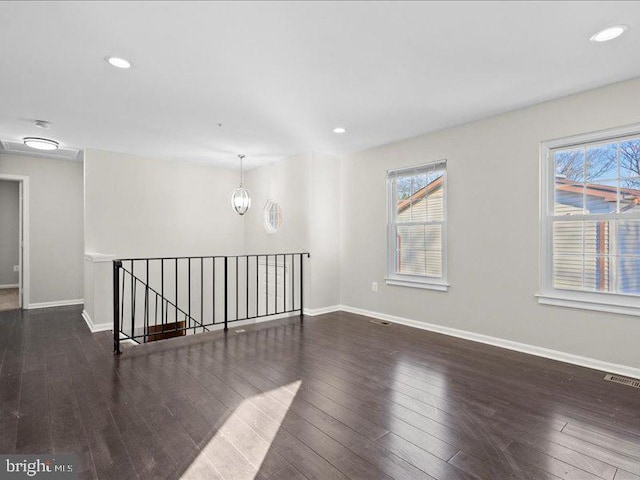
(6, 287)
(312, 312)
(59, 303)
(101, 327)
(592, 363)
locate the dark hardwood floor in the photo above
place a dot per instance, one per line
(337, 397)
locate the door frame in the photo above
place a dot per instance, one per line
(23, 275)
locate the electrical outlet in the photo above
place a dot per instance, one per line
(374, 286)
(16, 268)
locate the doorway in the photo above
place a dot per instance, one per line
(14, 277)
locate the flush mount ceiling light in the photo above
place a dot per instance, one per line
(608, 33)
(241, 197)
(117, 62)
(339, 130)
(40, 143)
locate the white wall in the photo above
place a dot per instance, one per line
(493, 225)
(324, 221)
(307, 187)
(143, 207)
(148, 207)
(9, 231)
(287, 182)
(55, 224)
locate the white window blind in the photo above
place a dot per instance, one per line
(417, 224)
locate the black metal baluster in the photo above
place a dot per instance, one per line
(276, 282)
(176, 306)
(284, 284)
(146, 306)
(246, 281)
(133, 316)
(225, 291)
(116, 305)
(266, 293)
(202, 292)
(124, 280)
(188, 293)
(213, 291)
(257, 285)
(301, 289)
(293, 282)
(237, 289)
(133, 301)
(161, 294)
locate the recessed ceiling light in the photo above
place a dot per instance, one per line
(339, 130)
(608, 33)
(118, 62)
(40, 143)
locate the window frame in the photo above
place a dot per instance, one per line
(610, 302)
(409, 280)
(266, 212)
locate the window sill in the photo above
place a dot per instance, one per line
(591, 302)
(438, 286)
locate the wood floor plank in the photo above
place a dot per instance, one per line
(387, 462)
(622, 475)
(282, 442)
(502, 373)
(335, 398)
(618, 442)
(33, 429)
(253, 447)
(109, 454)
(549, 464)
(561, 425)
(425, 461)
(302, 457)
(287, 473)
(8, 435)
(67, 432)
(10, 389)
(349, 463)
(429, 435)
(549, 442)
(560, 452)
(490, 470)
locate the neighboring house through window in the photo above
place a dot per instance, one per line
(417, 226)
(591, 222)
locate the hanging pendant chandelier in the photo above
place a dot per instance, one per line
(241, 197)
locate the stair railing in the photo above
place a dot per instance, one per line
(164, 297)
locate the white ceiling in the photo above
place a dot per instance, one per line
(281, 75)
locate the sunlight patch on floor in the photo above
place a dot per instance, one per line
(240, 446)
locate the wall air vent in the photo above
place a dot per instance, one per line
(623, 380)
(19, 148)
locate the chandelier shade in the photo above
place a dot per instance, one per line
(241, 200)
(241, 197)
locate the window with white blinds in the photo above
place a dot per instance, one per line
(591, 229)
(417, 226)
